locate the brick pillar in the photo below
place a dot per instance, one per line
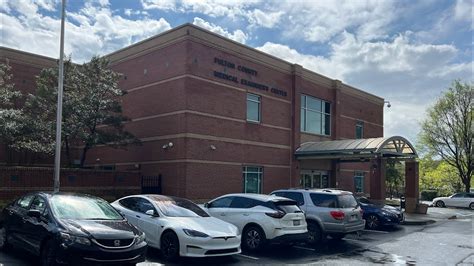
(411, 186)
(297, 72)
(333, 178)
(336, 110)
(377, 180)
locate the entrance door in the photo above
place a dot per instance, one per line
(314, 179)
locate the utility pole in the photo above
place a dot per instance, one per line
(59, 114)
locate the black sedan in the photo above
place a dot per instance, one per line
(70, 228)
(377, 215)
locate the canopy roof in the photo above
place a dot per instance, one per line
(395, 146)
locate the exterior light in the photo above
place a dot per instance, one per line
(388, 104)
(213, 147)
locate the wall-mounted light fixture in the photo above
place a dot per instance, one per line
(213, 147)
(388, 104)
(167, 145)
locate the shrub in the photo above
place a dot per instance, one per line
(429, 194)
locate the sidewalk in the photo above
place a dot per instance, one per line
(436, 214)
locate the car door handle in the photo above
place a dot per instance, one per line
(222, 214)
(246, 214)
(138, 216)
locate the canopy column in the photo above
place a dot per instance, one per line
(377, 180)
(411, 186)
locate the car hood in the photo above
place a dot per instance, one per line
(208, 225)
(100, 229)
(440, 198)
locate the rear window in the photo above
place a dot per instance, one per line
(324, 200)
(287, 206)
(296, 196)
(347, 201)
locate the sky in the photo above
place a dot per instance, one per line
(405, 51)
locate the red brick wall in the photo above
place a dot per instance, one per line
(16, 181)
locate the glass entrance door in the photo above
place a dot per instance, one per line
(314, 179)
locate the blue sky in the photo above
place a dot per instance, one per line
(407, 52)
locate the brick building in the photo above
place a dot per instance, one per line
(216, 117)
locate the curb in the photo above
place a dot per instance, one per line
(417, 222)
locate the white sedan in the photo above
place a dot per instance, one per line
(465, 200)
(178, 227)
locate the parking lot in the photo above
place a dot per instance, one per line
(446, 242)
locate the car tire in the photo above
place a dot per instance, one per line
(372, 222)
(471, 206)
(253, 238)
(440, 204)
(337, 236)
(169, 246)
(315, 234)
(48, 254)
(4, 245)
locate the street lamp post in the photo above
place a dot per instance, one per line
(59, 114)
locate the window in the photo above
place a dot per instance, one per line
(252, 179)
(347, 201)
(221, 203)
(38, 204)
(359, 130)
(25, 201)
(315, 115)
(244, 203)
(296, 196)
(359, 181)
(253, 108)
(324, 200)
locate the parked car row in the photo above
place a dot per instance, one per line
(62, 227)
(464, 200)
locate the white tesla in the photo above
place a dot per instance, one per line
(178, 227)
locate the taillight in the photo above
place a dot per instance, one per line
(277, 214)
(338, 215)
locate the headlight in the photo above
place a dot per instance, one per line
(70, 239)
(194, 233)
(139, 239)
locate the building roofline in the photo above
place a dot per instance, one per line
(26, 57)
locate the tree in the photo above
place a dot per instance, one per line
(92, 112)
(394, 176)
(448, 130)
(11, 116)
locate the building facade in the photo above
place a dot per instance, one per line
(215, 116)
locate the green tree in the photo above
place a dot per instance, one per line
(92, 112)
(448, 130)
(11, 116)
(440, 176)
(394, 176)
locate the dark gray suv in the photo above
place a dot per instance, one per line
(328, 212)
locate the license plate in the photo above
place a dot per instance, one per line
(297, 222)
(353, 218)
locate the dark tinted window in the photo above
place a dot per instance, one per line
(244, 203)
(221, 203)
(458, 195)
(296, 196)
(324, 200)
(38, 204)
(471, 195)
(347, 201)
(25, 201)
(287, 206)
(130, 203)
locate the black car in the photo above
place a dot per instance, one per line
(70, 228)
(378, 215)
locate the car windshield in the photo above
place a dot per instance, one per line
(176, 207)
(347, 201)
(82, 208)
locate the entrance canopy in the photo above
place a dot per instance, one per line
(357, 149)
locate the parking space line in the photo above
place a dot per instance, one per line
(310, 249)
(375, 231)
(248, 257)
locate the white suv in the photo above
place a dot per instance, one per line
(261, 218)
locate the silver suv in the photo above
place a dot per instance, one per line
(328, 212)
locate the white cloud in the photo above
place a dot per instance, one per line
(463, 10)
(410, 75)
(237, 35)
(90, 31)
(159, 4)
(265, 19)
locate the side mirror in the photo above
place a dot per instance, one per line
(206, 205)
(34, 213)
(151, 213)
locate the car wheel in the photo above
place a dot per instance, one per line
(372, 222)
(169, 246)
(471, 206)
(315, 234)
(48, 254)
(440, 204)
(337, 236)
(253, 238)
(4, 245)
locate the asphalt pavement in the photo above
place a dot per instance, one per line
(448, 241)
